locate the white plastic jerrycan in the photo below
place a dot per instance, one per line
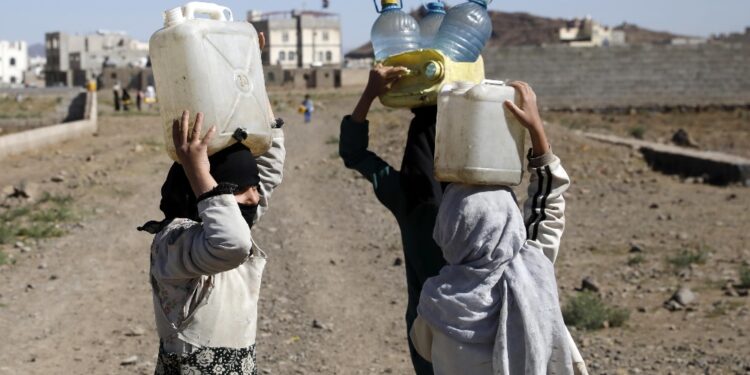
(477, 140)
(212, 65)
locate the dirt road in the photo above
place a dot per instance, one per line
(333, 295)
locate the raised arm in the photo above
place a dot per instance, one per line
(544, 210)
(223, 240)
(271, 171)
(354, 139)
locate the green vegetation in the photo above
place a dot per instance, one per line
(42, 219)
(686, 258)
(638, 132)
(745, 276)
(635, 260)
(3, 258)
(587, 311)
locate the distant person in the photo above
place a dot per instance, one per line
(412, 194)
(494, 308)
(308, 107)
(138, 99)
(150, 96)
(206, 270)
(116, 92)
(125, 100)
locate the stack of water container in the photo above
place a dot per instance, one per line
(477, 140)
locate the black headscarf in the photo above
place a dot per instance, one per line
(234, 165)
(418, 166)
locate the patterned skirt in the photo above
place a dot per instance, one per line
(225, 361)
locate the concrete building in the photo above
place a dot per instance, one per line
(14, 60)
(589, 33)
(299, 39)
(74, 59)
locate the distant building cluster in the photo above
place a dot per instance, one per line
(589, 33)
(14, 61)
(299, 39)
(74, 59)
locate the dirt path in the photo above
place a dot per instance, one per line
(333, 299)
(82, 302)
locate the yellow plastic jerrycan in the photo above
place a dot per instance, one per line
(429, 71)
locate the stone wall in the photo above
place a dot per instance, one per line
(628, 76)
(70, 107)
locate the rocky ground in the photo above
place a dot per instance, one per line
(334, 291)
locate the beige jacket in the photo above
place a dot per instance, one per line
(206, 276)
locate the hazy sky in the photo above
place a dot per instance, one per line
(29, 19)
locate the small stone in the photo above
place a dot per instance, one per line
(26, 190)
(588, 283)
(135, 332)
(653, 206)
(53, 277)
(397, 262)
(57, 178)
(138, 148)
(317, 325)
(635, 248)
(42, 266)
(682, 298)
(129, 361)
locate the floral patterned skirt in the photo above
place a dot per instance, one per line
(227, 361)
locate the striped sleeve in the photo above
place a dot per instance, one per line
(544, 210)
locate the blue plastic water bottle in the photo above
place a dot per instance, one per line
(394, 31)
(465, 31)
(431, 22)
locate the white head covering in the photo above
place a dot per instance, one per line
(496, 288)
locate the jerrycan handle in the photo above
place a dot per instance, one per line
(215, 11)
(388, 4)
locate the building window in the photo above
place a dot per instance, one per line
(320, 56)
(285, 37)
(54, 43)
(12, 79)
(282, 55)
(325, 36)
(113, 75)
(329, 56)
(12, 61)
(292, 55)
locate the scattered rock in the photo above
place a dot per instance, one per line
(682, 298)
(635, 248)
(317, 325)
(653, 206)
(397, 262)
(135, 332)
(57, 179)
(588, 283)
(138, 148)
(25, 190)
(682, 138)
(22, 247)
(129, 361)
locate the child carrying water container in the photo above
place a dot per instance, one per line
(205, 267)
(494, 309)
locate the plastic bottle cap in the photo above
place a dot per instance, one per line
(436, 7)
(173, 17)
(389, 2)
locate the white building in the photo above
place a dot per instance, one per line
(589, 33)
(14, 60)
(299, 39)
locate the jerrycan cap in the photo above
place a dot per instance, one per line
(173, 17)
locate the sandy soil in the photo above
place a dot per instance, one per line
(81, 304)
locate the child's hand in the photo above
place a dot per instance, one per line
(528, 113)
(382, 78)
(262, 40)
(192, 151)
